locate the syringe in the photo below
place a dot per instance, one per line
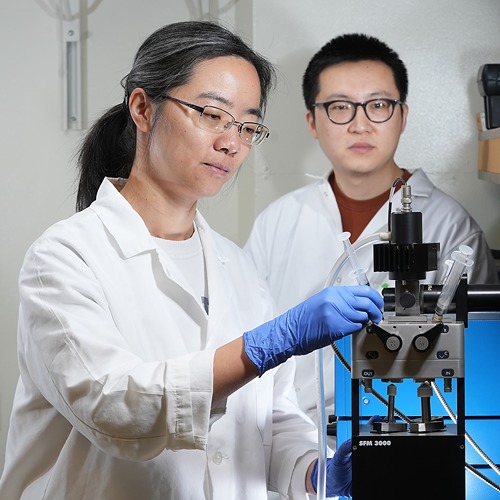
(461, 260)
(357, 271)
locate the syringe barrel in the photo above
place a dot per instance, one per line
(360, 276)
(357, 272)
(461, 262)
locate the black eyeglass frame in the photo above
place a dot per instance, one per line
(326, 105)
(201, 110)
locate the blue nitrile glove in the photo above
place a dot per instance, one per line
(376, 418)
(315, 323)
(338, 472)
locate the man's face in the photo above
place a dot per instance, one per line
(360, 146)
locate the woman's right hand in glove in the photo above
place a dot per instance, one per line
(319, 321)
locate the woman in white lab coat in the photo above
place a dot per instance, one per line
(150, 365)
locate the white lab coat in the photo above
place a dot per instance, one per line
(294, 245)
(110, 405)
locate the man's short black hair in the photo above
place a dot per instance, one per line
(352, 47)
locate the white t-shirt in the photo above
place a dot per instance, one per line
(188, 257)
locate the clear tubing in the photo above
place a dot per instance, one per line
(461, 261)
(361, 243)
(320, 401)
(357, 271)
(321, 415)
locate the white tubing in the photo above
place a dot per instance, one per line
(321, 415)
(320, 401)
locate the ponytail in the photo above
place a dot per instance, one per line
(107, 150)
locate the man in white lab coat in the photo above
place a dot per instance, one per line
(355, 89)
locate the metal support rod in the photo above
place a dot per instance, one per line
(72, 69)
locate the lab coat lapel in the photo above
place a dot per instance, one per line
(221, 320)
(133, 238)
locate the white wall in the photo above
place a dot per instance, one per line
(443, 44)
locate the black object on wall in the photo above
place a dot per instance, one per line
(488, 82)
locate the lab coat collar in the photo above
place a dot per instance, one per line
(132, 238)
(421, 189)
(421, 186)
(121, 220)
(127, 226)
(206, 236)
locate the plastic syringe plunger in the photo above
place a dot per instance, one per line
(461, 261)
(357, 272)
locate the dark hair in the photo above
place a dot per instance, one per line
(352, 47)
(165, 60)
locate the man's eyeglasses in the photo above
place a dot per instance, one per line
(376, 110)
(217, 120)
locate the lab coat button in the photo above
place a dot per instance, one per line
(217, 458)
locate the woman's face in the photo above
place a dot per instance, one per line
(185, 162)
